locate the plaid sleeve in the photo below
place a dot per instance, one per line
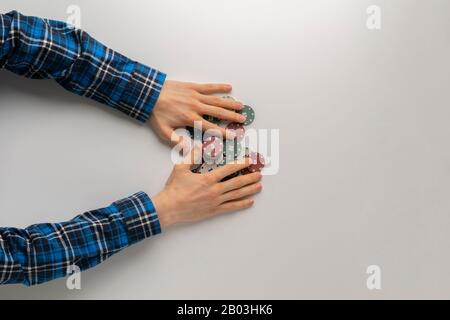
(47, 49)
(43, 252)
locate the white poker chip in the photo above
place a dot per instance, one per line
(208, 167)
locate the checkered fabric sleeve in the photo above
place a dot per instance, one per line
(47, 251)
(46, 49)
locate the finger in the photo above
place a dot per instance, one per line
(209, 88)
(221, 113)
(241, 181)
(167, 134)
(221, 102)
(230, 168)
(164, 132)
(234, 206)
(242, 192)
(206, 125)
(170, 135)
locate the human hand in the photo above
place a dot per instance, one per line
(181, 103)
(189, 197)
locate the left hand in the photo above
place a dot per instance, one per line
(189, 197)
(181, 103)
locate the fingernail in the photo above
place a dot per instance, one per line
(240, 105)
(242, 118)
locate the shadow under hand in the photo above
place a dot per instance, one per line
(14, 85)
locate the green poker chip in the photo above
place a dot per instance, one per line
(248, 113)
(211, 119)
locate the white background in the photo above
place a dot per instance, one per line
(364, 166)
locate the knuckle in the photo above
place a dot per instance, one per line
(237, 194)
(214, 192)
(209, 178)
(193, 103)
(218, 189)
(210, 194)
(185, 116)
(198, 105)
(191, 117)
(247, 179)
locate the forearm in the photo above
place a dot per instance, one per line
(44, 252)
(47, 49)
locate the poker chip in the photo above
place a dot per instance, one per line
(212, 119)
(257, 163)
(212, 148)
(248, 113)
(196, 167)
(194, 134)
(238, 129)
(231, 176)
(207, 167)
(232, 150)
(218, 152)
(191, 131)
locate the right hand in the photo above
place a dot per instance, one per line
(189, 196)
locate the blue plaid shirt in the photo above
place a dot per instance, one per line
(46, 49)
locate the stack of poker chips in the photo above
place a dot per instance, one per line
(218, 152)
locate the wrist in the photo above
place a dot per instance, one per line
(163, 210)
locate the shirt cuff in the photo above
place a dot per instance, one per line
(140, 218)
(142, 91)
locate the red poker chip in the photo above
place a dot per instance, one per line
(257, 163)
(238, 129)
(212, 147)
(231, 176)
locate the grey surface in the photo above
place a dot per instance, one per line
(365, 158)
